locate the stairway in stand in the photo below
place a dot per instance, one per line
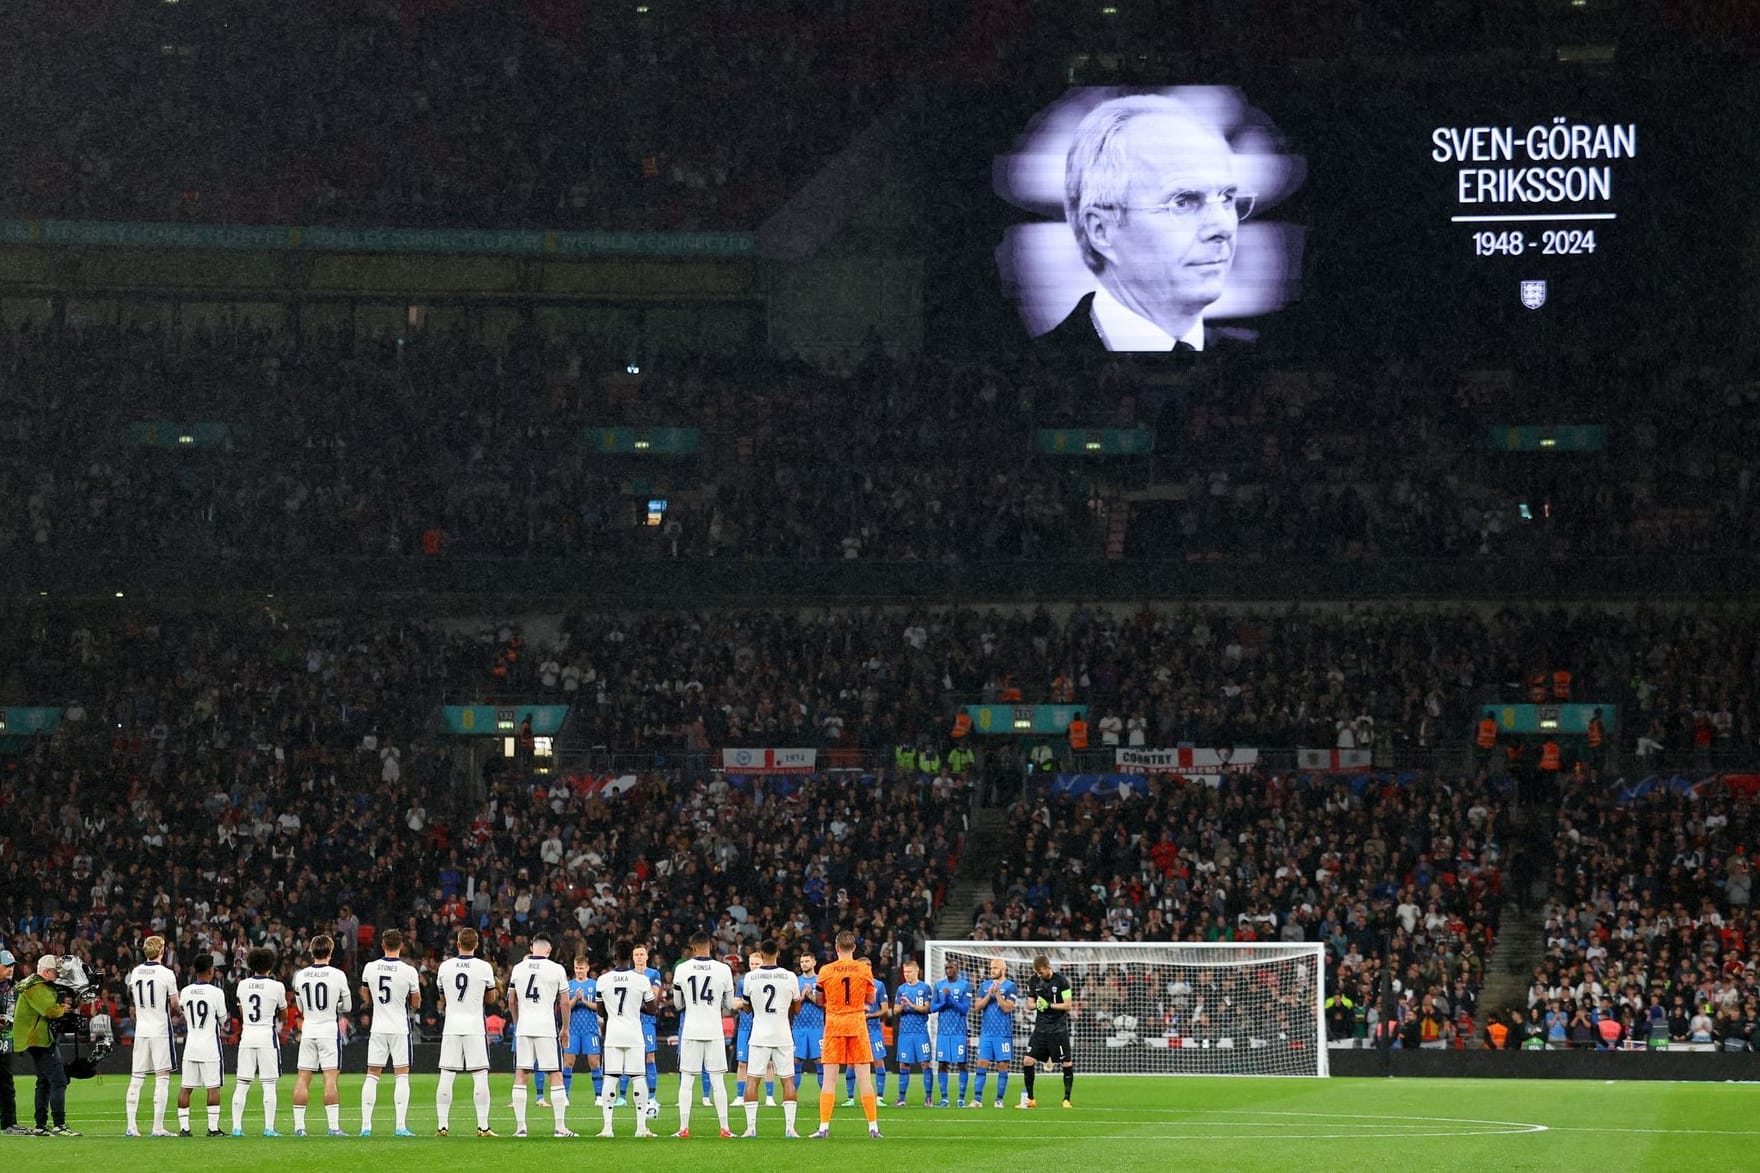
(971, 884)
(1118, 524)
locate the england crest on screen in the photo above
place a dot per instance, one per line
(1533, 294)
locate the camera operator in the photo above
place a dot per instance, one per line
(9, 1125)
(38, 1003)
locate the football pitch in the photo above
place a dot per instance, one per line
(1117, 1123)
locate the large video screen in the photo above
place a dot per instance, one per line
(1526, 218)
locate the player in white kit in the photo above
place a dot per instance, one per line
(624, 994)
(702, 991)
(390, 985)
(204, 1016)
(465, 982)
(154, 991)
(262, 1004)
(772, 995)
(321, 990)
(537, 996)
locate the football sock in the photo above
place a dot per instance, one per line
(1001, 1085)
(978, 1088)
(1027, 1078)
(183, 1119)
(559, 1107)
(519, 1108)
(240, 1089)
(653, 1080)
(538, 1080)
(480, 1097)
(1069, 1080)
(751, 1115)
(685, 1094)
(943, 1083)
(789, 1110)
(132, 1100)
(826, 1100)
(369, 1100)
(871, 1108)
(442, 1100)
(271, 1099)
(333, 1116)
(880, 1080)
(718, 1096)
(567, 1080)
(400, 1100)
(598, 1083)
(299, 1118)
(213, 1117)
(161, 1094)
(965, 1079)
(904, 1083)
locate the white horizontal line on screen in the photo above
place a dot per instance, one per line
(1532, 219)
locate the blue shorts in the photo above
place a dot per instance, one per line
(995, 1050)
(806, 1045)
(877, 1044)
(649, 1038)
(950, 1049)
(742, 1039)
(584, 1041)
(915, 1049)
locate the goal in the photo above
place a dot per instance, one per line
(1145, 1008)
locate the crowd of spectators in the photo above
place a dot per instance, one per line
(546, 113)
(250, 774)
(1400, 879)
(375, 445)
(1649, 931)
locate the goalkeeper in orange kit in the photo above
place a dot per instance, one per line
(845, 986)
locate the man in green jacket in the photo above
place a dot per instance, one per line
(37, 1004)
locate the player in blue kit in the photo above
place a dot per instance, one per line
(996, 1003)
(953, 1001)
(878, 1009)
(583, 1029)
(912, 1000)
(809, 1022)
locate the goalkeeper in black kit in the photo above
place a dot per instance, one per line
(1049, 994)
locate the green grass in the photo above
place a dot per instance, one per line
(1146, 1123)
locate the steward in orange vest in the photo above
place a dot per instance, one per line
(1487, 732)
(1551, 759)
(1078, 733)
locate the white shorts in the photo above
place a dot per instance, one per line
(201, 1073)
(319, 1053)
(464, 1053)
(536, 1053)
(153, 1054)
(259, 1061)
(625, 1060)
(779, 1059)
(388, 1050)
(698, 1055)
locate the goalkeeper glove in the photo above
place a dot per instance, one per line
(1042, 1004)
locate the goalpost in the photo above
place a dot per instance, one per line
(1147, 1008)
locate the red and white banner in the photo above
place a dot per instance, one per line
(1333, 761)
(1185, 760)
(769, 761)
(601, 785)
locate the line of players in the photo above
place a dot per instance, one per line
(787, 1023)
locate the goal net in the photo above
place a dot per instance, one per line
(1167, 1009)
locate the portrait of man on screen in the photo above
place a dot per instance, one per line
(1153, 193)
